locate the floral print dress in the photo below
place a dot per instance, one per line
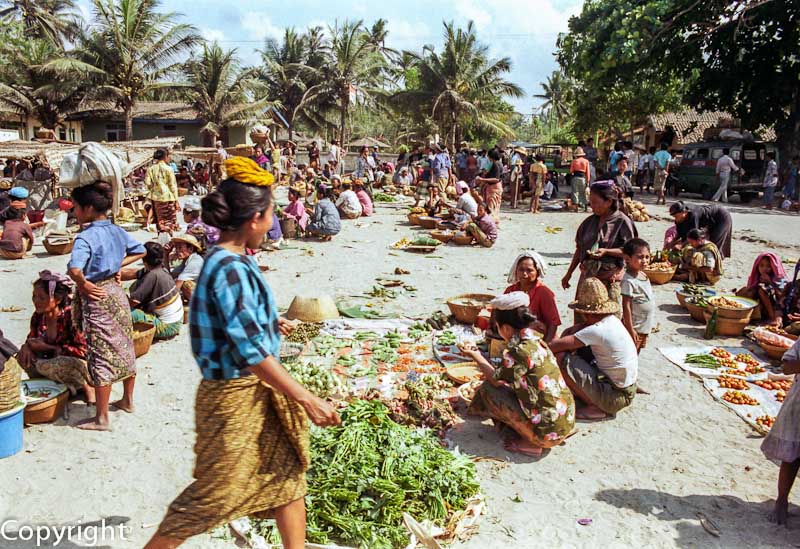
(533, 398)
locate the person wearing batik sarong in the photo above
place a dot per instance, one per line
(526, 393)
(101, 308)
(163, 192)
(154, 296)
(55, 349)
(252, 417)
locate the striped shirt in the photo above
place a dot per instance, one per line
(233, 319)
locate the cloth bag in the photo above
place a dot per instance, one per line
(91, 163)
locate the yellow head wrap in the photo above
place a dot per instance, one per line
(245, 170)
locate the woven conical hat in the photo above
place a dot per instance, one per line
(593, 298)
(312, 309)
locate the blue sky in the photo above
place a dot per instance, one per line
(524, 30)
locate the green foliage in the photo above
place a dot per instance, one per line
(461, 89)
(28, 85)
(54, 20)
(639, 57)
(131, 50)
(220, 91)
(368, 471)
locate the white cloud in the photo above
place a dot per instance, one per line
(258, 26)
(408, 35)
(212, 35)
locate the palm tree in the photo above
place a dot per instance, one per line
(557, 95)
(54, 19)
(27, 86)
(355, 65)
(461, 85)
(283, 74)
(132, 50)
(220, 91)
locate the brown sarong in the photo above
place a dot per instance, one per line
(166, 216)
(108, 328)
(252, 455)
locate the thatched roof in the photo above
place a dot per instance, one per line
(50, 154)
(690, 125)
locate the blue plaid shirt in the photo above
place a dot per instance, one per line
(233, 319)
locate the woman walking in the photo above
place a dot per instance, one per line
(163, 191)
(252, 417)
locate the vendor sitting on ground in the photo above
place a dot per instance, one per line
(701, 261)
(14, 199)
(154, 297)
(55, 348)
(296, 211)
(482, 228)
(527, 392)
(366, 202)
(325, 222)
(765, 284)
(466, 207)
(204, 233)
(598, 357)
(17, 239)
(526, 276)
(348, 204)
(186, 250)
(434, 204)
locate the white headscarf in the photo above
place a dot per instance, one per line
(511, 301)
(530, 254)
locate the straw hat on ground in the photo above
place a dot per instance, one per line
(578, 152)
(593, 299)
(188, 239)
(312, 309)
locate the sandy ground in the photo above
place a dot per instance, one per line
(643, 477)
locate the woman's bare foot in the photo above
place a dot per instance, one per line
(525, 448)
(93, 424)
(780, 513)
(590, 412)
(123, 405)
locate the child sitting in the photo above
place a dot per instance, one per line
(483, 228)
(765, 284)
(638, 303)
(791, 304)
(701, 261)
(17, 237)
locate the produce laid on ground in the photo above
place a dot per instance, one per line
(420, 404)
(383, 197)
(304, 332)
(316, 378)
(738, 397)
(741, 364)
(638, 211)
(732, 383)
(368, 471)
(766, 421)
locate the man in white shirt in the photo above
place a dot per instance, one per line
(725, 165)
(597, 356)
(348, 203)
(334, 156)
(221, 152)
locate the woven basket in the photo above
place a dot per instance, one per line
(660, 277)
(696, 311)
(10, 381)
(443, 236)
(428, 222)
(681, 298)
(728, 326)
(773, 351)
(413, 218)
(289, 227)
(312, 309)
(58, 249)
(143, 333)
(468, 314)
(462, 239)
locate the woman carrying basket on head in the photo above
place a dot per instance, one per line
(252, 429)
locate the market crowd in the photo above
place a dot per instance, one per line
(549, 374)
